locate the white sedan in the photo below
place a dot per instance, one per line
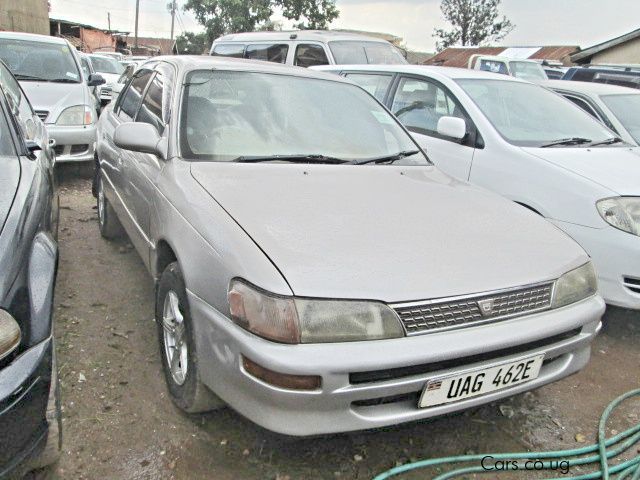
(617, 107)
(530, 145)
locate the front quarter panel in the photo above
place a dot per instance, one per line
(210, 246)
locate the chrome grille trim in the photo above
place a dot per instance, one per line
(440, 314)
(43, 114)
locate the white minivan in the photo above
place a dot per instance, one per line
(308, 48)
(530, 145)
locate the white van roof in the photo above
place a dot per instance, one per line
(303, 35)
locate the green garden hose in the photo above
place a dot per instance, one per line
(600, 453)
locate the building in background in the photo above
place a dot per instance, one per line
(459, 56)
(624, 49)
(30, 16)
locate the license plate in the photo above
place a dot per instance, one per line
(458, 386)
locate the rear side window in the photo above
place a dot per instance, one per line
(308, 55)
(131, 98)
(151, 109)
(276, 53)
(494, 66)
(229, 50)
(358, 52)
(376, 84)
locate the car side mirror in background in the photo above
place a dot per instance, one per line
(140, 137)
(32, 146)
(452, 127)
(95, 80)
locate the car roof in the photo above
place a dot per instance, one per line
(593, 88)
(317, 35)
(188, 63)
(33, 37)
(432, 71)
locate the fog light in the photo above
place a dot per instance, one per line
(282, 380)
(9, 334)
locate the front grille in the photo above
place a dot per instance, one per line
(632, 284)
(59, 149)
(356, 378)
(429, 316)
(43, 114)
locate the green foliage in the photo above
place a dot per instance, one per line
(190, 43)
(475, 22)
(220, 17)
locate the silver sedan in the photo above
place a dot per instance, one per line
(314, 270)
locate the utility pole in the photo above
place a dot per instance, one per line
(109, 20)
(173, 17)
(135, 43)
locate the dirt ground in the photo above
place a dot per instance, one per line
(120, 424)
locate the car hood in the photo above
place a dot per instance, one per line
(109, 77)
(384, 232)
(615, 168)
(55, 97)
(9, 179)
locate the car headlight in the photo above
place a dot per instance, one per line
(575, 285)
(622, 213)
(302, 320)
(9, 334)
(77, 115)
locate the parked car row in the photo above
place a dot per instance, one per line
(350, 246)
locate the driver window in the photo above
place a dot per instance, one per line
(419, 105)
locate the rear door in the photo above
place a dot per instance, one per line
(419, 103)
(112, 158)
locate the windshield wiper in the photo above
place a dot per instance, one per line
(63, 80)
(386, 159)
(608, 141)
(567, 141)
(21, 76)
(314, 158)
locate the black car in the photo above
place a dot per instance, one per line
(625, 76)
(30, 420)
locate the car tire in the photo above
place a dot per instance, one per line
(180, 361)
(110, 226)
(42, 466)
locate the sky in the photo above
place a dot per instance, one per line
(538, 22)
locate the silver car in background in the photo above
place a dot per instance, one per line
(110, 69)
(48, 68)
(314, 270)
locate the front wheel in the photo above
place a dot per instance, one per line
(177, 346)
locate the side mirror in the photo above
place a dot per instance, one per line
(452, 127)
(32, 146)
(140, 137)
(95, 80)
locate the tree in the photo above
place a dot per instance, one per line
(189, 43)
(220, 17)
(475, 22)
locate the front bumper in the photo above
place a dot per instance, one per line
(616, 257)
(357, 392)
(24, 392)
(73, 143)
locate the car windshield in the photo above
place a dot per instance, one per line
(106, 65)
(528, 115)
(39, 61)
(527, 71)
(228, 115)
(350, 52)
(626, 108)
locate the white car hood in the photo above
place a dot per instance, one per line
(55, 97)
(385, 232)
(110, 78)
(615, 168)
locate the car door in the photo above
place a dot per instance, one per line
(142, 169)
(112, 158)
(419, 104)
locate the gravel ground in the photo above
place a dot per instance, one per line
(120, 424)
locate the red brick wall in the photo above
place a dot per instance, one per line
(97, 41)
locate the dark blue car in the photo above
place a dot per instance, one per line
(30, 421)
